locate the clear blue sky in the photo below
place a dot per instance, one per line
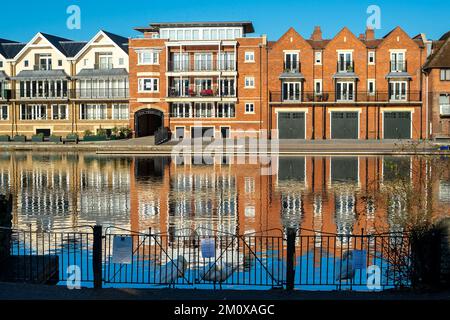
(271, 17)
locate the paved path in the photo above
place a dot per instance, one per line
(11, 291)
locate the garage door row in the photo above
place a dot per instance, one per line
(344, 125)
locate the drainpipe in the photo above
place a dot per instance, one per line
(426, 108)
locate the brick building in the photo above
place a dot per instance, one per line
(437, 88)
(57, 86)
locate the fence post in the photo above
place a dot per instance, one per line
(290, 259)
(97, 257)
(5, 234)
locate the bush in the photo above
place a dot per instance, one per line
(101, 132)
(88, 133)
(125, 132)
(55, 139)
(38, 137)
(72, 137)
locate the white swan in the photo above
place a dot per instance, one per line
(173, 270)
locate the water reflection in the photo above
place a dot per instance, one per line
(178, 196)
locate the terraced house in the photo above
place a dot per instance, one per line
(347, 87)
(55, 86)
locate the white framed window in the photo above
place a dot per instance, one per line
(444, 104)
(249, 185)
(93, 112)
(59, 112)
(148, 57)
(148, 85)
(318, 57)
(85, 62)
(121, 61)
(345, 61)
(345, 90)
(291, 62)
(249, 107)
(371, 58)
(249, 82)
(291, 91)
(26, 63)
(120, 111)
(249, 56)
(445, 75)
(33, 112)
(4, 112)
(250, 212)
(398, 61)
(371, 87)
(398, 90)
(225, 110)
(317, 86)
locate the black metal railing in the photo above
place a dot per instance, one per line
(346, 96)
(202, 65)
(41, 94)
(204, 258)
(290, 67)
(162, 135)
(103, 66)
(199, 91)
(398, 66)
(42, 67)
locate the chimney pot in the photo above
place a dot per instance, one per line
(370, 34)
(317, 34)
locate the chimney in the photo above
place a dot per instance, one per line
(317, 34)
(361, 36)
(370, 34)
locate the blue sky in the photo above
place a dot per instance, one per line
(269, 17)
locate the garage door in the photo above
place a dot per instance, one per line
(344, 125)
(397, 125)
(291, 125)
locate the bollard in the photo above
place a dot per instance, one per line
(97, 257)
(290, 259)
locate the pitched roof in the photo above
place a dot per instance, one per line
(122, 42)
(71, 48)
(440, 58)
(56, 41)
(318, 44)
(11, 49)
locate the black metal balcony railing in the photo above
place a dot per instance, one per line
(41, 94)
(398, 66)
(198, 91)
(347, 96)
(202, 65)
(290, 67)
(114, 93)
(345, 66)
(42, 67)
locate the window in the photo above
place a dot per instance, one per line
(249, 185)
(249, 56)
(26, 63)
(121, 61)
(1, 64)
(225, 110)
(445, 74)
(120, 112)
(345, 91)
(93, 112)
(371, 57)
(59, 112)
(397, 90)
(318, 58)
(444, 103)
(45, 61)
(371, 87)
(146, 57)
(345, 62)
(60, 62)
(3, 112)
(43, 89)
(148, 85)
(291, 62)
(398, 62)
(181, 110)
(85, 62)
(33, 112)
(249, 82)
(291, 91)
(250, 108)
(318, 86)
(203, 62)
(105, 61)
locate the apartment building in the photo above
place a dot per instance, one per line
(59, 86)
(347, 87)
(437, 88)
(203, 78)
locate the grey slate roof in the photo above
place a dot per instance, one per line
(102, 73)
(122, 42)
(398, 75)
(292, 75)
(10, 49)
(71, 48)
(41, 74)
(345, 75)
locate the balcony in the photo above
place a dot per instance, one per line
(42, 67)
(41, 94)
(199, 92)
(290, 67)
(103, 66)
(98, 94)
(202, 66)
(347, 97)
(398, 66)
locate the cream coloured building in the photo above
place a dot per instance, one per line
(57, 86)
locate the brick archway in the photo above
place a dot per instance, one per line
(147, 121)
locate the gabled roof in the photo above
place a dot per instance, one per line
(417, 40)
(440, 58)
(71, 48)
(11, 49)
(54, 41)
(119, 41)
(344, 29)
(291, 32)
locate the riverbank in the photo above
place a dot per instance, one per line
(146, 146)
(13, 291)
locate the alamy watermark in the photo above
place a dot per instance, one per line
(73, 277)
(74, 20)
(374, 19)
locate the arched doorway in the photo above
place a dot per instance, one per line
(147, 121)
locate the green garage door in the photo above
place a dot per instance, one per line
(344, 125)
(397, 125)
(291, 125)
